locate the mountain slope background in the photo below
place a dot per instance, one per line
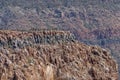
(94, 22)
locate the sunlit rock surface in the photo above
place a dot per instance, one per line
(52, 55)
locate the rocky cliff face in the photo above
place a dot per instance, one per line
(52, 55)
(95, 22)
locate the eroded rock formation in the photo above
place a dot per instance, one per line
(52, 55)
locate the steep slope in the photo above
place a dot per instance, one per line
(52, 55)
(95, 22)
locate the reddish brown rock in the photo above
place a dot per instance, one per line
(64, 59)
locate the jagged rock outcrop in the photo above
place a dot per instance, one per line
(59, 57)
(94, 22)
(19, 39)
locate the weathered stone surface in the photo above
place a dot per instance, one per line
(94, 22)
(65, 59)
(22, 39)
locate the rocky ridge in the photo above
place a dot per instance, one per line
(52, 55)
(82, 17)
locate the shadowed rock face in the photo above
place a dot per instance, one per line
(61, 58)
(17, 39)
